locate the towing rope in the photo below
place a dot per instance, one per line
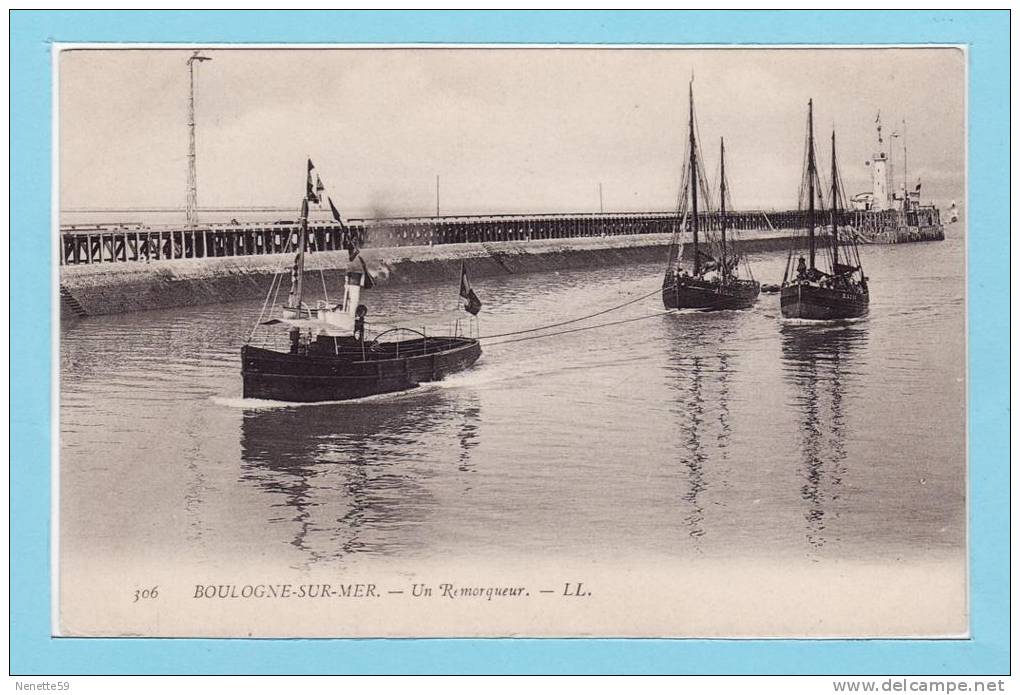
(564, 323)
(582, 328)
(525, 330)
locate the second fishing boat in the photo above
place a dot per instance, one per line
(839, 289)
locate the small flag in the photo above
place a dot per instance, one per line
(877, 117)
(350, 241)
(918, 188)
(304, 208)
(473, 304)
(309, 189)
(369, 280)
(334, 211)
(319, 188)
(351, 244)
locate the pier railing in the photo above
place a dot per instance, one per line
(111, 243)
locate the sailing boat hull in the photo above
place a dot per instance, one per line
(694, 293)
(804, 301)
(389, 367)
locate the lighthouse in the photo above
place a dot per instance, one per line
(880, 175)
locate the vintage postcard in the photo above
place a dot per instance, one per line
(541, 341)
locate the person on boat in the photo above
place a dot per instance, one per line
(801, 268)
(359, 322)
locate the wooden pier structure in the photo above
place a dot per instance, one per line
(131, 243)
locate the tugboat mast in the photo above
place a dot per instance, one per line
(297, 280)
(694, 178)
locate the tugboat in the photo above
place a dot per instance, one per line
(714, 281)
(329, 357)
(840, 291)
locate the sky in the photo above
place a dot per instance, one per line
(506, 130)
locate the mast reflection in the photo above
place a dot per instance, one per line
(820, 362)
(467, 435)
(354, 478)
(702, 375)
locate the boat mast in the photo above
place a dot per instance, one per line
(298, 278)
(694, 179)
(835, 193)
(722, 201)
(906, 195)
(811, 183)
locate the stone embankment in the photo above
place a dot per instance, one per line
(111, 288)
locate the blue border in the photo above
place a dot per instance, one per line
(34, 652)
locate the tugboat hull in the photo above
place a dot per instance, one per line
(691, 293)
(821, 303)
(303, 378)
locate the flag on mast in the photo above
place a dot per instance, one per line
(473, 304)
(309, 188)
(369, 280)
(334, 211)
(350, 242)
(319, 188)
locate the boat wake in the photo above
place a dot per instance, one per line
(261, 404)
(684, 312)
(821, 322)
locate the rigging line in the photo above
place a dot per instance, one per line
(564, 323)
(280, 284)
(277, 277)
(582, 328)
(262, 311)
(272, 286)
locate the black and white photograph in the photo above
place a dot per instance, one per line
(533, 341)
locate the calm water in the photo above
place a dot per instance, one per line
(724, 435)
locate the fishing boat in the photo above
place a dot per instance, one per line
(719, 277)
(329, 357)
(830, 284)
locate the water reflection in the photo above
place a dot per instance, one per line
(145, 435)
(694, 453)
(348, 479)
(821, 363)
(701, 372)
(467, 436)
